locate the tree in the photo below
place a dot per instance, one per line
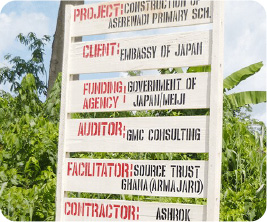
(19, 67)
(28, 154)
(58, 43)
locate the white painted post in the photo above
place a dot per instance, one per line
(63, 116)
(216, 114)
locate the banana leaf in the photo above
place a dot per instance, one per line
(235, 78)
(199, 69)
(248, 97)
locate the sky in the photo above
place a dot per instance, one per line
(244, 41)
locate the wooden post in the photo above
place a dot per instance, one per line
(216, 114)
(63, 117)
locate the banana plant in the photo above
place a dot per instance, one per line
(246, 97)
(237, 99)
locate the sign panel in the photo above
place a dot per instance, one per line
(187, 134)
(120, 16)
(177, 91)
(148, 52)
(137, 177)
(80, 209)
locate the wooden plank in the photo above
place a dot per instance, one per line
(137, 177)
(63, 116)
(121, 16)
(81, 209)
(187, 134)
(148, 52)
(216, 114)
(177, 91)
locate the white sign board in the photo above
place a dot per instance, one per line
(78, 209)
(137, 177)
(129, 15)
(177, 91)
(149, 52)
(188, 134)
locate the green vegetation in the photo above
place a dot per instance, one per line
(28, 152)
(28, 148)
(19, 67)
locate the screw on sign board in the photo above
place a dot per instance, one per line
(190, 90)
(197, 134)
(81, 209)
(188, 134)
(137, 177)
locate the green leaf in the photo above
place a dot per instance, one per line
(135, 73)
(235, 78)
(171, 70)
(260, 190)
(199, 69)
(3, 186)
(178, 70)
(248, 97)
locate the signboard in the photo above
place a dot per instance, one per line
(137, 177)
(149, 52)
(189, 90)
(184, 134)
(129, 15)
(188, 134)
(80, 209)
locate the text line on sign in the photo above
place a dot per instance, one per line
(137, 177)
(140, 53)
(79, 209)
(177, 91)
(188, 134)
(121, 16)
